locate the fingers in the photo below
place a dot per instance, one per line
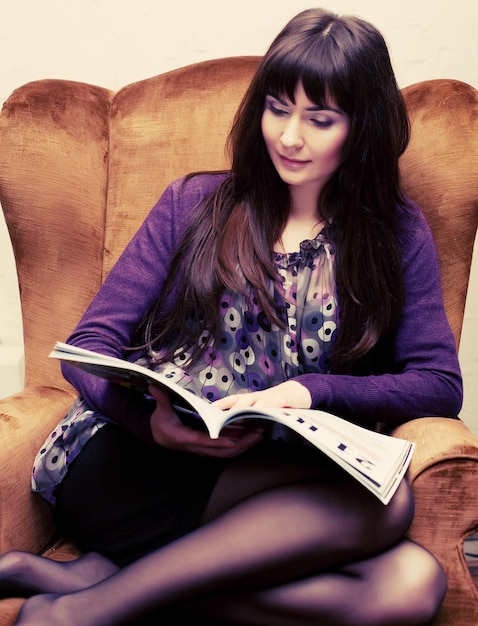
(244, 400)
(170, 432)
(159, 394)
(289, 394)
(201, 444)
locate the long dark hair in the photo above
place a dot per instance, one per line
(346, 59)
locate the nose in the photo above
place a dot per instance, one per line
(291, 136)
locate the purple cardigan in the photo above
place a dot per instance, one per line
(422, 376)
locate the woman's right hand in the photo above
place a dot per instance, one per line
(168, 431)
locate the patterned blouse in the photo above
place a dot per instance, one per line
(252, 354)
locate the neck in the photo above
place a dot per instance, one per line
(299, 227)
(303, 204)
(304, 221)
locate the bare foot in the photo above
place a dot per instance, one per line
(23, 574)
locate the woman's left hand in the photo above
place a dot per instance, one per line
(170, 432)
(291, 395)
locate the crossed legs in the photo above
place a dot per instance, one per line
(277, 545)
(401, 586)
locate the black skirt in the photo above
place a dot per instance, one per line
(125, 499)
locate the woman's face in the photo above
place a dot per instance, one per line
(304, 141)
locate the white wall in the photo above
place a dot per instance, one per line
(114, 42)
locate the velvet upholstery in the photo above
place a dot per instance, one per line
(80, 166)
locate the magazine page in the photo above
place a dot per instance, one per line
(376, 460)
(134, 376)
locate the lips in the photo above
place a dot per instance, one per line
(293, 164)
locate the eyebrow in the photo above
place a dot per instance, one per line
(312, 108)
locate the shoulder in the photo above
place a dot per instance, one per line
(419, 255)
(415, 235)
(192, 189)
(412, 219)
(172, 211)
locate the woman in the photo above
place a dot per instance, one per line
(297, 279)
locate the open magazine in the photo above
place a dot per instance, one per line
(377, 461)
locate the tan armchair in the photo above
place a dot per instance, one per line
(79, 168)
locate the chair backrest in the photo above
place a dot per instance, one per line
(81, 166)
(440, 172)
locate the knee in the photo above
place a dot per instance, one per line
(416, 589)
(391, 521)
(428, 588)
(15, 562)
(400, 510)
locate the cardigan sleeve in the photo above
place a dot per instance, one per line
(133, 285)
(425, 378)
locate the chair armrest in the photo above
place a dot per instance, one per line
(443, 474)
(438, 439)
(26, 522)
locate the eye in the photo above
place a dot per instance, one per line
(322, 122)
(275, 107)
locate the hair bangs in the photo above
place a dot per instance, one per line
(317, 64)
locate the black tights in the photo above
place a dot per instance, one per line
(280, 543)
